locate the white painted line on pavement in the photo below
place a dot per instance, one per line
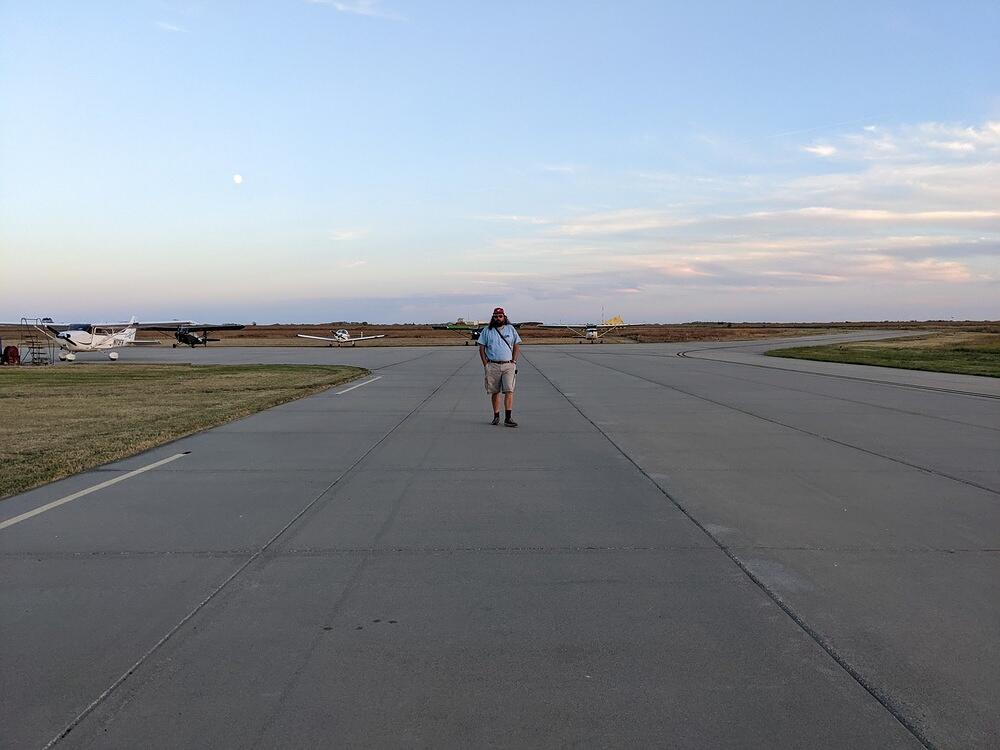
(369, 382)
(81, 493)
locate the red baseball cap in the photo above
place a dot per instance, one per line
(499, 311)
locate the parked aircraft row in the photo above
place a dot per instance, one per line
(98, 337)
(73, 338)
(592, 332)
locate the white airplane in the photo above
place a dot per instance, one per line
(73, 338)
(594, 332)
(341, 337)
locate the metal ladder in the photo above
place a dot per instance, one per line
(37, 347)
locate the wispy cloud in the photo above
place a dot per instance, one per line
(370, 8)
(512, 219)
(910, 207)
(821, 149)
(881, 215)
(620, 222)
(921, 141)
(344, 235)
(561, 168)
(171, 28)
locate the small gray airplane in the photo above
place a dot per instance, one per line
(340, 337)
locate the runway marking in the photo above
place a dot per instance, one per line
(369, 382)
(81, 493)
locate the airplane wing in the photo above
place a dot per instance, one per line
(218, 327)
(318, 338)
(580, 329)
(341, 341)
(163, 325)
(571, 326)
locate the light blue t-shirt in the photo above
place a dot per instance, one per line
(496, 348)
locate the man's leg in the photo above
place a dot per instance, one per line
(508, 405)
(495, 400)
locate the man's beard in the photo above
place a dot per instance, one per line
(498, 323)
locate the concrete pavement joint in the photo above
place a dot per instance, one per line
(125, 554)
(486, 549)
(352, 582)
(500, 549)
(804, 431)
(877, 693)
(842, 398)
(156, 646)
(401, 362)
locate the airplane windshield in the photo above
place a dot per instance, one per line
(81, 327)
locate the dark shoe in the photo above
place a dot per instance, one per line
(509, 423)
(496, 419)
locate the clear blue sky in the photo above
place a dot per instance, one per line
(389, 161)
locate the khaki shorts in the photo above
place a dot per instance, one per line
(500, 377)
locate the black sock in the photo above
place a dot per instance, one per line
(507, 418)
(496, 415)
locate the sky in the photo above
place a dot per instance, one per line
(401, 161)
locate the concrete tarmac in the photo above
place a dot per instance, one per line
(717, 549)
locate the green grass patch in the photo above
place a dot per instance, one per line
(58, 421)
(962, 353)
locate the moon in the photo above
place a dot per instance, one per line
(238, 179)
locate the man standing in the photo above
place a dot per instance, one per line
(499, 348)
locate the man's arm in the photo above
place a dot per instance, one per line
(482, 354)
(517, 352)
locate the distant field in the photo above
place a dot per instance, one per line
(58, 421)
(951, 351)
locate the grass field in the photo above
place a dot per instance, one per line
(58, 421)
(958, 352)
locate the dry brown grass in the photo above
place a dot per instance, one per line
(59, 421)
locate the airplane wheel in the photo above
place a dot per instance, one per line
(174, 346)
(113, 356)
